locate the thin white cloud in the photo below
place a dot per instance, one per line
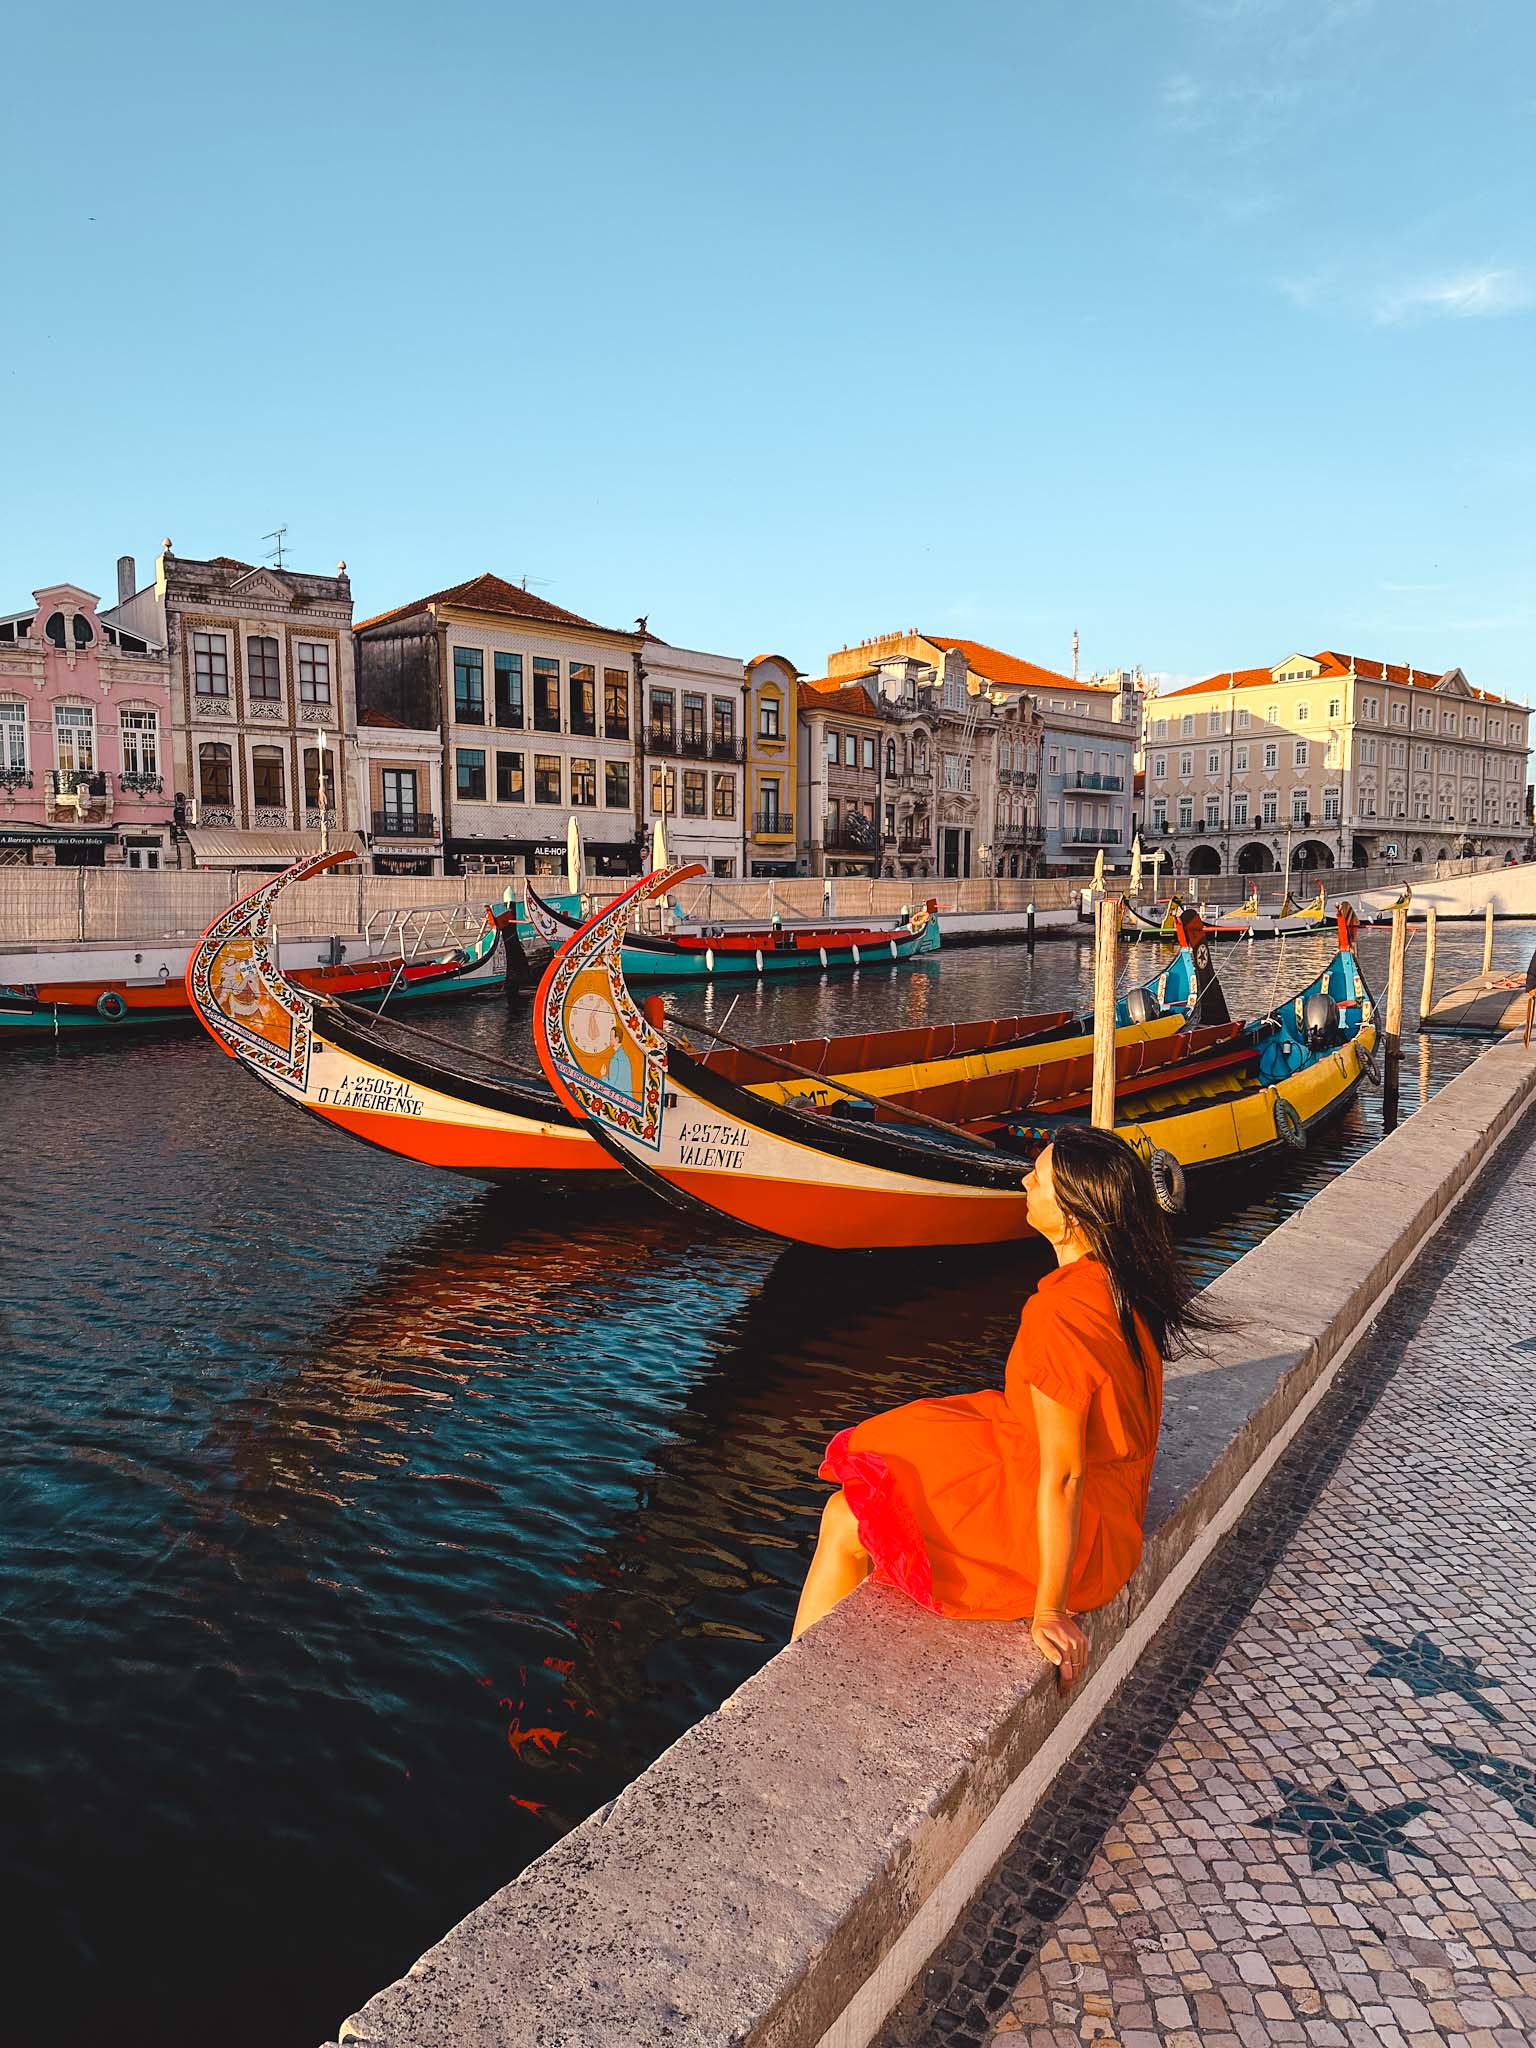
(1464, 295)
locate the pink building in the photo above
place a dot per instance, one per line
(85, 713)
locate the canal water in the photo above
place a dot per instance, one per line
(361, 1530)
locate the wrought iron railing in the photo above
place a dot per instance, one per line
(141, 784)
(404, 825)
(774, 823)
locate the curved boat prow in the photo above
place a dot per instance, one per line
(1209, 1005)
(240, 994)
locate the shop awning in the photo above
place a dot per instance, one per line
(223, 847)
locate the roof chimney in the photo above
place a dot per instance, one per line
(127, 578)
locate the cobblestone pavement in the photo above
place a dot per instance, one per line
(1310, 1816)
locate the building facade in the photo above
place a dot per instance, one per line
(399, 771)
(694, 753)
(85, 732)
(536, 708)
(772, 736)
(1327, 760)
(839, 786)
(263, 704)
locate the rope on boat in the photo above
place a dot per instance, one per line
(366, 1018)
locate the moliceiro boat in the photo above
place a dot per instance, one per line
(1247, 921)
(421, 1097)
(860, 1171)
(775, 948)
(147, 985)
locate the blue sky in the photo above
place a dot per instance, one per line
(1207, 327)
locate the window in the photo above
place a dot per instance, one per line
(315, 673)
(616, 785)
(546, 778)
(615, 703)
(867, 753)
(1370, 707)
(1421, 757)
(725, 796)
(313, 762)
(583, 782)
(584, 699)
(1299, 813)
(1240, 807)
(1159, 811)
(509, 691)
(1330, 806)
(1269, 807)
(261, 671)
(1495, 729)
(1448, 721)
(1186, 725)
(1271, 755)
(468, 686)
(1300, 752)
(267, 777)
(1186, 813)
(850, 750)
(1213, 763)
(511, 786)
(1334, 707)
(1159, 767)
(215, 777)
(1053, 762)
(965, 771)
(1213, 721)
(1244, 720)
(1159, 727)
(768, 729)
(1271, 714)
(1212, 813)
(398, 786)
(833, 749)
(139, 732)
(469, 774)
(546, 694)
(835, 819)
(951, 771)
(1303, 713)
(693, 722)
(13, 736)
(74, 738)
(1240, 760)
(1469, 727)
(724, 726)
(1397, 754)
(768, 796)
(1186, 764)
(663, 718)
(210, 668)
(1368, 753)
(694, 792)
(663, 792)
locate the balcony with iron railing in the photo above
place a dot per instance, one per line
(404, 825)
(852, 835)
(1084, 780)
(15, 778)
(1092, 835)
(140, 783)
(773, 824)
(73, 795)
(915, 777)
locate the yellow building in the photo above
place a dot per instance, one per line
(1329, 760)
(772, 682)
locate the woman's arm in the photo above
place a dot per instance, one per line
(1062, 1435)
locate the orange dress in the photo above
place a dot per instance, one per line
(945, 1491)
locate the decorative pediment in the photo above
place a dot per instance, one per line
(261, 586)
(1454, 684)
(1307, 663)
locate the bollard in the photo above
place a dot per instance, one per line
(1106, 935)
(1427, 992)
(1394, 1024)
(1488, 938)
(1029, 928)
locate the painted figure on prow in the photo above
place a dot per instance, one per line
(620, 1074)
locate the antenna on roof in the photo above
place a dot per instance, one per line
(275, 554)
(538, 582)
(1074, 654)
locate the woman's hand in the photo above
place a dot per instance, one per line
(1058, 1638)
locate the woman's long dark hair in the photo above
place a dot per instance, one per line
(1104, 1189)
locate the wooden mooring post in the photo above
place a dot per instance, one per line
(1106, 945)
(1488, 938)
(1427, 991)
(1393, 1048)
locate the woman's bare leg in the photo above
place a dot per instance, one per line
(841, 1563)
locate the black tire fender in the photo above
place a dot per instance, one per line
(1168, 1182)
(1289, 1128)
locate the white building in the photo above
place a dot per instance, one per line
(399, 771)
(692, 743)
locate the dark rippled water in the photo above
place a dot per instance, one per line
(360, 1532)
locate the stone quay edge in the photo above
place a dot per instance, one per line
(780, 1874)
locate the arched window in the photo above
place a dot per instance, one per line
(215, 780)
(55, 628)
(890, 757)
(267, 777)
(82, 629)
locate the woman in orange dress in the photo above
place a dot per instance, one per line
(1028, 1504)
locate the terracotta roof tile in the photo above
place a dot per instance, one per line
(493, 595)
(848, 700)
(1334, 665)
(996, 667)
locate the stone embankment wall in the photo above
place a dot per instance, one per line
(781, 1873)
